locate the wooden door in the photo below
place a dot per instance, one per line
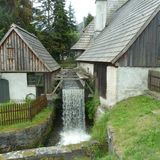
(4, 91)
(100, 78)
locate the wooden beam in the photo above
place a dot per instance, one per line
(74, 79)
(89, 88)
(57, 87)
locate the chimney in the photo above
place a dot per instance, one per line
(101, 15)
(104, 12)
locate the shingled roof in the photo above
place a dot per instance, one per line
(36, 46)
(85, 38)
(125, 27)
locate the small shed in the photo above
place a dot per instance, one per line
(25, 64)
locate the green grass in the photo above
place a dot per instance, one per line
(69, 63)
(99, 129)
(136, 128)
(38, 119)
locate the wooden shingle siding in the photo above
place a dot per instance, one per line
(16, 56)
(145, 52)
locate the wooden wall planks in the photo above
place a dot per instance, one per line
(16, 56)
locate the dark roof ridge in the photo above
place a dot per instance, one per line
(16, 26)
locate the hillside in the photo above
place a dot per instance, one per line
(135, 123)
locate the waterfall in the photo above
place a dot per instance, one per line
(73, 114)
(73, 109)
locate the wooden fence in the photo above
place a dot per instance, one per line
(154, 81)
(16, 113)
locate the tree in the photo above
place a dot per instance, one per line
(15, 11)
(24, 14)
(45, 14)
(71, 18)
(60, 30)
(88, 19)
(73, 32)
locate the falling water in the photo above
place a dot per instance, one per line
(73, 114)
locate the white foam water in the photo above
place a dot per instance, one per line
(74, 129)
(73, 137)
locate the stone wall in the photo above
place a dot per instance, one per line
(25, 138)
(53, 153)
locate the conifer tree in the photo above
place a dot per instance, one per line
(60, 30)
(15, 11)
(71, 18)
(45, 14)
(88, 19)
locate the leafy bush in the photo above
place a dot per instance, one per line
(99, 130)
(91, 106)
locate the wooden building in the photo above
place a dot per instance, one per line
(26, 67)
(127, 47)
(84, 40)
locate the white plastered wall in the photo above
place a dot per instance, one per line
(18, 85)
(111, 93)
(132, 81)
(125, 82)
(88, 67)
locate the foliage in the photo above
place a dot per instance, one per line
(60, 29)
(71, 18)
(44, 15)
(69, 63)
(91, 106)
(88, 19)
(99, 130)
(13, 11)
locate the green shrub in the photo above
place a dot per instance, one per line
(91, 106)
(99, 130)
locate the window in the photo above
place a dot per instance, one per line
(35, 79)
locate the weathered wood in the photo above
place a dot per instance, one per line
(154, 81)
(145, 50)
(100, 70)
(17, 113)
(57, 87)
(21, 51)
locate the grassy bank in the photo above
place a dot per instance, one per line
(38, 119)
(136, 124)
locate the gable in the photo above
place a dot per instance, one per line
(16, 56)
(145, 50)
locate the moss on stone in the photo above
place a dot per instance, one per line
(29, 153)
(52, 158)
(2, 158)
